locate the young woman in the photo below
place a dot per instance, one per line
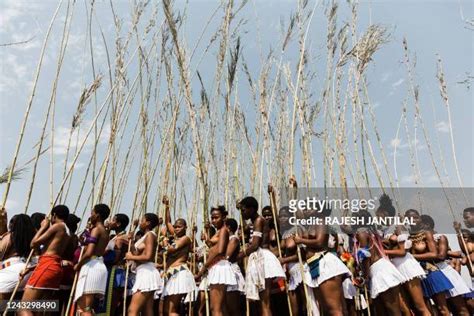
(218, 268)
(15, 245)
(270, 242)
(291, 262)
(92, 278)
(460, 288)
(114, 260)
(179, 281)
(396, 247)
(69, 260)
(435, 284)
(233, 296)
(376, 267)
(147, 278)
(327, 270)
(263, 266)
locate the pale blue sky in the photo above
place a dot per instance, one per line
(430, 27)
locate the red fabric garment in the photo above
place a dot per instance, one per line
(47, 274)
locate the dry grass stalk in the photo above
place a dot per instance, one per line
(28, 109)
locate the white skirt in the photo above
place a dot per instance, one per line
(349, 289)
(221, 273)
(409, 267)
(383, 276)
(204, 284)
(9, 277)
(272, 267)
(181, 282)
(331, 266)
(92, 278)
(240, 286)
(147, 278)
(295, 276)
(460, 287)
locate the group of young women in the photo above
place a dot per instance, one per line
(262, 266)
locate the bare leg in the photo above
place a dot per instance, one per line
(217, 293)
(172, 304)
(233, 303)
(331, 294)
(265, 298)
(441, 304)
(30, 295)
(84, 304)
(202, 303)
(294, 300)
(391, 301)
(415, 293)
(460, 305)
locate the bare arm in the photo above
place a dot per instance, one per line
(3, 221)
(400, 251)
(89, 249)
(147, 253)
(256, 240)
(432, 253)
(168, 224)
(232, 247)
(443, 247)
(44, 234)
(180, 243)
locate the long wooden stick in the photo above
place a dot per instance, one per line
(74, 284)
(275, 222)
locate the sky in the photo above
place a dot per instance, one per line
(431, 28)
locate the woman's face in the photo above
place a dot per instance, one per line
(267, 215)
(94, 217)
(179, 228)
(143, 224)
(380, 213)
(415, 218)
(246, 212)
(217, 220)
(468, 219)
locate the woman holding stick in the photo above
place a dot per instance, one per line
(179, 281)
(326, 269)
(435, 284)
(234, 292)
(220, 274)
(397, 247)
(148, 279)
(14, 249)
(263, 266)
(456, 294)
(92, 278)
(290, 260)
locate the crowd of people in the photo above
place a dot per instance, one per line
(254, 264)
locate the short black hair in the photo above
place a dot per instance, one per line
(36, 219)
(183, 221)
(469, 210)
(412, 211)
(61, 212)
(221, 209)
(232, 224)
(250, 202)
(152, 218)
(386, 205)
(428, 220)
(267, 208)
(123, 220)
(71, 223)
(102, 210)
